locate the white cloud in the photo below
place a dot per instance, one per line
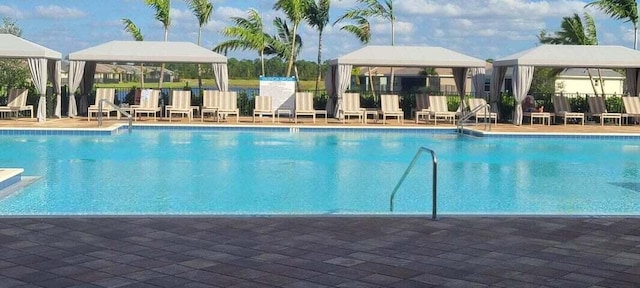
(8, 11)
(57, 12)
(491, 8)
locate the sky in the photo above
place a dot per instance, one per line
(480, 28)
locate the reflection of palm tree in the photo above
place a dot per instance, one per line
(202, 9)
(318, 16)
(130, 27)
(162, 8)
(248, 34)
(295, 11)
(621, 9)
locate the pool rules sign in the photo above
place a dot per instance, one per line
(281, 89)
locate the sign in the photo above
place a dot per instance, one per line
(281, 89)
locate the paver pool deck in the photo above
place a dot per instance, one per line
(358, 251)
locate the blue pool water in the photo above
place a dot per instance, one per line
(348, 172)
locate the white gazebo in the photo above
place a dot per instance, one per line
(562, 56)
(82, 63)
(339, 72)
(44, 65)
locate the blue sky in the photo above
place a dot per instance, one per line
(480, 28)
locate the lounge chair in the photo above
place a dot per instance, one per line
(107, 94)
(304, 106)
(598, 109)
(210, 103)
(351, 107)
(562, 109)
(180, 104)
(263, 107)
(482, 113)
(631, 107)
(16, 102)
(228, 102)
(149, 105)
(390, 107)
(438, 109)
(422, 107)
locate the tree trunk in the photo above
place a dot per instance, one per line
(199, 67)
(141, 76)
(166, 36)
(635, 37)
(319, 59)
(262, 61)
(293, 49)
(295, 70)
(601, 82)
(595, 91)
(373, 91)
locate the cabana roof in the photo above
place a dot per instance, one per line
(17, 48)
(407, 56)
(148, 52)
(574, 56)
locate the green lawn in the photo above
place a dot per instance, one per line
(304, 85)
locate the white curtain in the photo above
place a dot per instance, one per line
(497, 78)
(330, 88)
(222, 76)
(76, 70)
(38, 68)
(54, 77)
(477, 76)
(521, 80)
(633, 81)
(460, 77)
(344, 79)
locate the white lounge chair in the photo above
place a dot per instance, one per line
(210, 103)
(482, 113)
(390, 107)
(107, 94)
(263, 107)
(562, 109)
(351, 106)
(149, 104)
(17, 102)
(180, 104)
(304, 106)
(598, 109)
(439, 109)
(228, 105)
(422, 107)
(631, 107)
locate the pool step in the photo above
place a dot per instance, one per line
(11, 180)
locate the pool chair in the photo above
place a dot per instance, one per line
(17, 102)
(422, 107)
(351, 107)
(482, 113)
(149, 104)
(263, 107)
(562, 109)
(180, 104)
(598, 109)
(390, 107)
(228, 105)
(439, 109)
(107, 94)
(631, 107)
(210, 103)
(304, 106)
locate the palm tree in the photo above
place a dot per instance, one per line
(162, 8)
(574, 32)
(621, 9)
(202, 9)
(362, 30)
(318, 17)
(248, 34)
(279, 44)
(295, 11)
(131, 27)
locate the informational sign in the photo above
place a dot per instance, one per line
(281, 89)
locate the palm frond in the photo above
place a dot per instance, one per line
(132, 29)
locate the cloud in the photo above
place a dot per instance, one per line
(57, 12)
(491, 8)
(8, 11)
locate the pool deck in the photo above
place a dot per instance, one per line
(455, 251)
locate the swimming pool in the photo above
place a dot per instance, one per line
(349, 171)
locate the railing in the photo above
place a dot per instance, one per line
(120, 110)
(487, 117)
(434, 188)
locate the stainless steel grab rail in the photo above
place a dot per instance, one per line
(487, 118)
(434, 191)
(127, 114)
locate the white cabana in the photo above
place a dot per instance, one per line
(339, 71)
(44, 65)
(562, 56)
(83, 61)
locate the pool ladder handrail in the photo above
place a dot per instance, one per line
(487, 118)
(434, 187)
(120, 110)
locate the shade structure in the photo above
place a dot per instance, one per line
(392, 56)
(41, 60)
(562, 56)
(143, 52)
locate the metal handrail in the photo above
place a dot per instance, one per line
(434, 190)
(487, 117)
(120, 110)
